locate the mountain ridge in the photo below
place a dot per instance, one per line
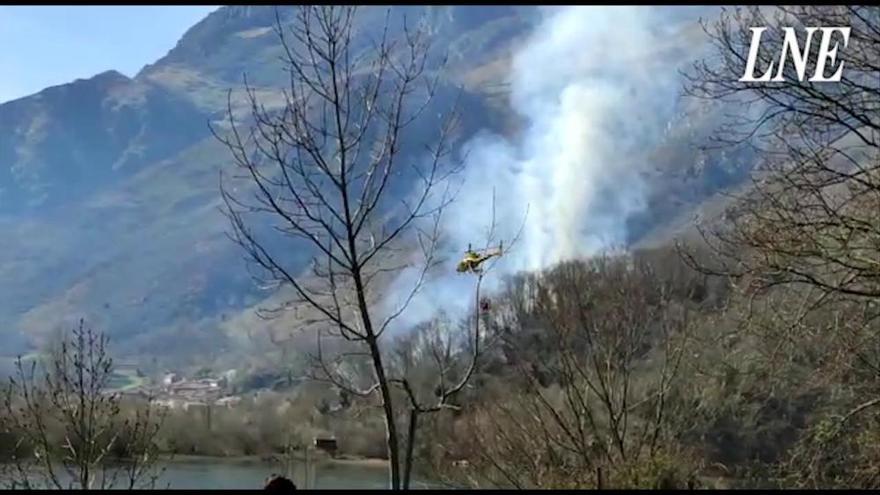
(109, 185)
(105, 229)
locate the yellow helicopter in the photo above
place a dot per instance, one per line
(472, 259)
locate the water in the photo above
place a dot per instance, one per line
(229, 474)
(220, 473)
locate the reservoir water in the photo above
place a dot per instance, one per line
(251, 473)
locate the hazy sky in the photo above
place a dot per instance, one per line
(44, 46)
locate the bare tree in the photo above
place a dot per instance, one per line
(810, 216)
(595, 409)
(436, 363)
(329, 170)
(809, 221)
(805, 235)
(73, 431)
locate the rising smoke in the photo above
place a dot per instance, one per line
(596, 87)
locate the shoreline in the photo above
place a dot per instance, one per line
(274, 458)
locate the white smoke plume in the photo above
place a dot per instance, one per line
(596, 87)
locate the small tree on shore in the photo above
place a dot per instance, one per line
(72, 431)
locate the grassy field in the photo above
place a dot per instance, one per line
(120, 380)
(126, 379)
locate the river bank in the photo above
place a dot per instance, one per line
(322, 459)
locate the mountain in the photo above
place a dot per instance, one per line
(109, 203)
(68, 141)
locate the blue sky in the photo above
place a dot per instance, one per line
(43, 46)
